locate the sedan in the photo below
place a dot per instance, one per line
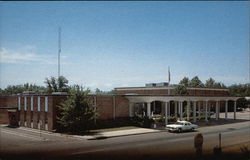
(181, 126)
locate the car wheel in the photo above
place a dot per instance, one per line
(179, 130)
(192, 129)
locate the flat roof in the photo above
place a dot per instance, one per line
(169, 87)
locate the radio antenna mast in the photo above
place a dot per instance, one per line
(59, 50)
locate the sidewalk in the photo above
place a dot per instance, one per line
(128, 132)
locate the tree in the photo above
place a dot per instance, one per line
(100, 92)
(181, 90)
(15, 89)
(210, 83)
(57, 85)
(76, 113)
(196, 82)
(184, 81)
(240, 90)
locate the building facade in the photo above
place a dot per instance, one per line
(39, 111)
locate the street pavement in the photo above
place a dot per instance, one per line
(25, 143)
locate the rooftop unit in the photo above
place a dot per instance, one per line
(156, 84)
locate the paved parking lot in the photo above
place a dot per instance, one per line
(26, 141)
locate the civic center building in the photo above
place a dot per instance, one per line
(152, 100)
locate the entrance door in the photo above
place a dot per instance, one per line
(13, 118)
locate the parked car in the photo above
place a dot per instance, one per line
(180, 126)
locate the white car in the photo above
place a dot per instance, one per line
(181, 126)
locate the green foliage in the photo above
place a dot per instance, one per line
(142, 121)
(100, 92)
(196, 82)
(184, 81)
(242, 103)
(181, 90)
(210, 83)
(57, 85)
(76, 114)
(239, 90)
(15, 89)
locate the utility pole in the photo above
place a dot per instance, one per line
(59, 50)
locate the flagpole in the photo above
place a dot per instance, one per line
(168, 75)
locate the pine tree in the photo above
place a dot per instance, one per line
(77, 112)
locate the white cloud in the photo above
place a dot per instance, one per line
(25, 55)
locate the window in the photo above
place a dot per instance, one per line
(31, 103)
(46, 104)
(25, 103)
(38, 103)
(19, 103)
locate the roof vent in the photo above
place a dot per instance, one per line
(150, 84)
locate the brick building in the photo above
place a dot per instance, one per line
(39, 111)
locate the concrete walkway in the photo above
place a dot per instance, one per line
(119, 133)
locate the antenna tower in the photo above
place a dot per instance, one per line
(59, 50)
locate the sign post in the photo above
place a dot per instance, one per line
(198, 142)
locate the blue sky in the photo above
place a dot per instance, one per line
(118, 44)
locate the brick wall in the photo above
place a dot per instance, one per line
(6, 101)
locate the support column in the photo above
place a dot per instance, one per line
(175, 110)
(206, 105)
(217, 110)
(181, 109)
(226, 109)
(209, 109)
(194, 112)
(131, 105)
(234, 110)
(167, 104)
(199, 109)
(188, 110)
(162, 109)
(169, 109)
(149, 109)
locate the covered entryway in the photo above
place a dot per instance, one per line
(10, 116)
(181, 107)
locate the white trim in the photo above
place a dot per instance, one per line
(46, 104)
(25, 103)
(31, 103)
(38, 104)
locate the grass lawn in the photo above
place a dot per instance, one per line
(112, 129)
